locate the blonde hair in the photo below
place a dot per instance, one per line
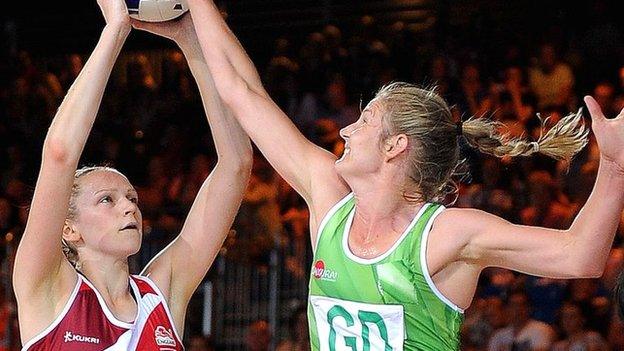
(562, 141)
(426, 119)
(70, 250)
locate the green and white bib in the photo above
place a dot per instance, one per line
(386, 303)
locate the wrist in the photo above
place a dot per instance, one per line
(121, 29)
(612, 168)
(189, 48)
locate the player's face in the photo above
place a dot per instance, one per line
(362, 153)
(108, 219)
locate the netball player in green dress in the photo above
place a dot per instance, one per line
(394, 269)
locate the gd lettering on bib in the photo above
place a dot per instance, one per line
(352, 326)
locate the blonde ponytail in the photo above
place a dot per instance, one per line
(561, 142)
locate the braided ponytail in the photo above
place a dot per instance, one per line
(561, 142)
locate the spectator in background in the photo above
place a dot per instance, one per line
(590, 296)
(615, 337)
(521, 96)
(546, 296)
(296, 218)
(441, 76)
(486, 315)
(577, 337)
(339, 108)
(524, 333)
(281, 77)
(604, 92)
(298, 337)
(70, 71)
(184, 188)
(258, 336)
(259, 216)
(472, 96)
(551, 80)
(8, 322)
(619, 98)
(6, 216)
(614, 265)
(200, 343)
(138, 100)
(551, 207)
(327, 135)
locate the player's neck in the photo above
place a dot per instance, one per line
(378, 204)
(380, 194)
(109, 276)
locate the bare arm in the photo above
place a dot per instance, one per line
(306, 167)
(37, 279)
(580, 251)
(180, 267)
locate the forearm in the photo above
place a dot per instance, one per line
(231, 142)
(219, 198)
(594, 228)
(73, 121)
(63, 146)
(224, 53)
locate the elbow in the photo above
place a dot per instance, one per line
(246, 160)
(238, 165)
(594, 272)
(246, 154)
(233, 92)
(57, 151)
(588, 269)
(242, 165)
(588, 273)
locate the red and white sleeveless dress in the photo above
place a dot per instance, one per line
(86, 324)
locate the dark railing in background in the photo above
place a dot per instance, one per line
(244, 293)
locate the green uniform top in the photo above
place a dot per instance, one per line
(386, 303)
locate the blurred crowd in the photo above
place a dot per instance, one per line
(151, 126)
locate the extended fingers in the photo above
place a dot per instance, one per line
(594, 109)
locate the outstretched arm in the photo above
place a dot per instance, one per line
(180, 267)
(306, 167)
(580, 251)
(40, 265)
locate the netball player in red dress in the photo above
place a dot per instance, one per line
(71, 275)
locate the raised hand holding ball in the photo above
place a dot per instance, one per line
(156, 10)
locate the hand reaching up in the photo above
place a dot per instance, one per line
(115, 13)
(609, 134)
(180, 30)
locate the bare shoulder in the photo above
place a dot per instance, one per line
(455, 228)
(465, 223)
(466, 220)
(454, 220)
(450, 231)
(38, 309)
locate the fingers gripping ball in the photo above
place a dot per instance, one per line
(156, 10)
